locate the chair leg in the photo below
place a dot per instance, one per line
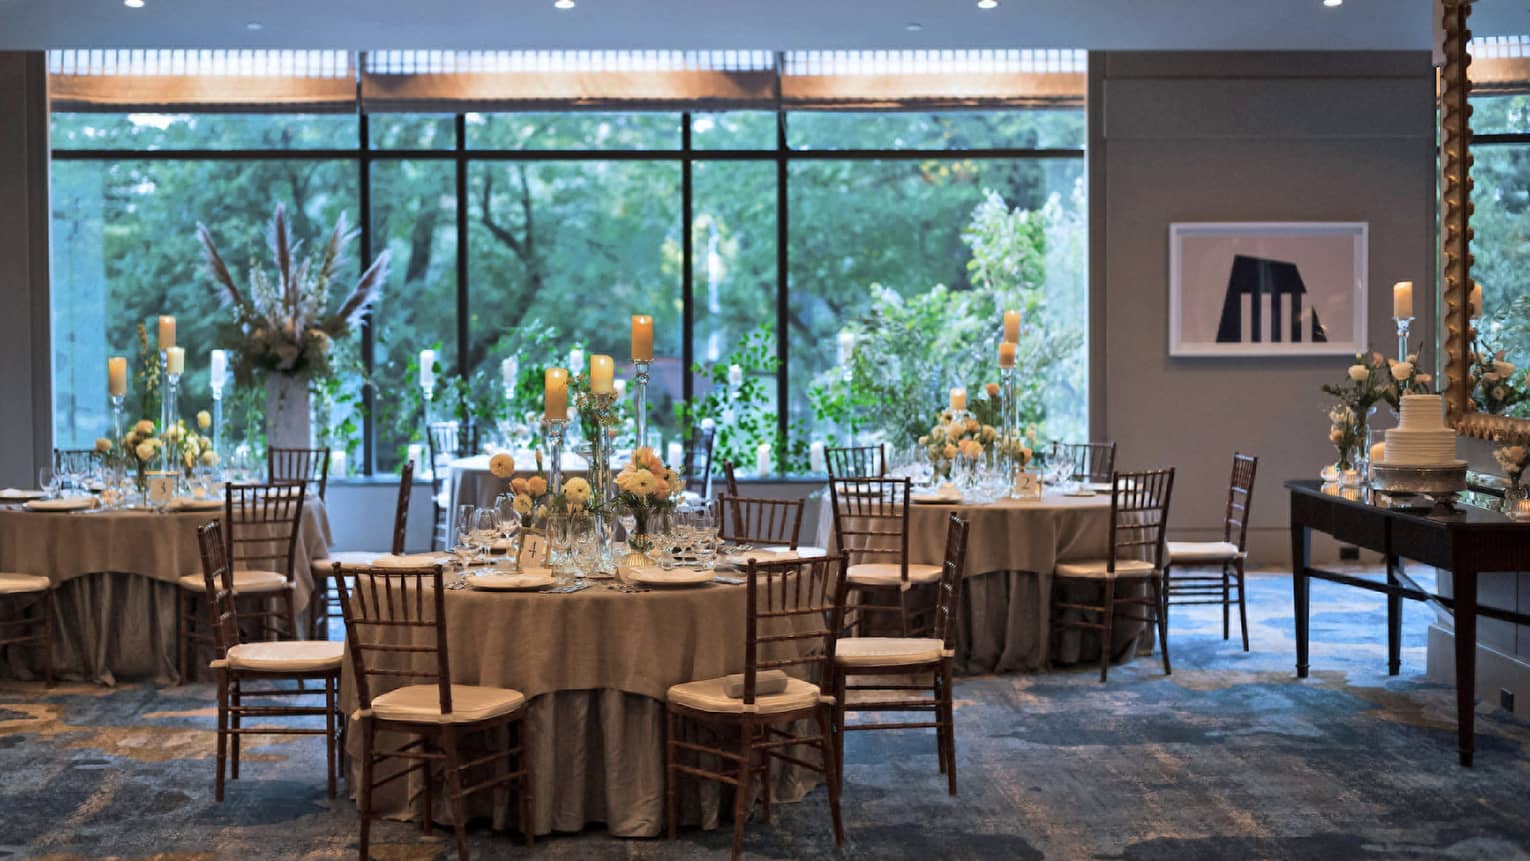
(318, 604)
(47, 641)
(741, 791)
(182, 633)
(427, 799)
(765, 761)
(1107, 619)
(329, 730)
(222, 733)
(236, 721)
(1161, 619)
(453, 787)
(838, 729)
(948, 719)
(831, 776)
(1226, 605)
(1243, 603)
(364, 799)
(670, 773)
(288, 608)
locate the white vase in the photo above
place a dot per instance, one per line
(289, 412)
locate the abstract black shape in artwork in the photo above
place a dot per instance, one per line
(1257, 277)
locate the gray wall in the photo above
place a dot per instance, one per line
(25, 352)
(1243, 137)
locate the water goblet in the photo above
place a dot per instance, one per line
(462, 546)
(559, 541)
(47, 481)
(485, 527)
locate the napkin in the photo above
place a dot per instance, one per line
(418, 560)
(765, 684)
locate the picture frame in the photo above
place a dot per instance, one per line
(1267, 288)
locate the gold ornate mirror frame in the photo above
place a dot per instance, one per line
(1456, 235)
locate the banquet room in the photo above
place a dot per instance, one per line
(866, 429)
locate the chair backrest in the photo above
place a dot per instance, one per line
(308, 465)
(262, 523)
(401, 511)
(218, 579)
(948, 599)
(760, 521)
(1139, 515)
(698, 460)
(860, 460)
(1092, 461)
(1240, 498)
(730, 478)
(445, 441)
(871, 519)
(74, 460)
(395, 627)
(794, 609)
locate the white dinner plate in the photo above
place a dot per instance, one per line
(1081, 492)
(678, 577)
(67, 503)
(415, 560)
(505, 581)
(195, 503)
(934, 499)
(15, 494)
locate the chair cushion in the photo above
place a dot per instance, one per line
(325, 566)
(22, 584)
(887, 651)
(891, 574)
(250, 582)
(422, 704)
(1203, 551)
(286, 656)
(1095, 568)
(711, 695)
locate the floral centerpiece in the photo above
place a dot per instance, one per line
(1367, 382)
(134, 452)
(1512, 459)
(1407, 379)
(195, 449)
(645, 488)
(952, 437)
(283, 328)
(1493, 381)
(1346, 433)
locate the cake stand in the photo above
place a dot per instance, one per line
(1440, 484)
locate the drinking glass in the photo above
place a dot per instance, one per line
(559, 540)
(586, 545)
(462, 547)
(485, 528)
(505, 515)
(704, 540)
(47, 481)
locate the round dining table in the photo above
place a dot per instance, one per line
(596, 666)
(114, 574)
(1013, 548)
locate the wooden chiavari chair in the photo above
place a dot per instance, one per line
(261, 525)
(867, 461)
(772, 522)
(395, 628)
(308, 465)
(859, 661)
(698, 462)
(446, 445)
(794, 608)
(326, 604)
(1139, 515)
(1092, 461)
(236, 663)
(871, 518)
(31, 599)
(1230, 553)
(730, 478)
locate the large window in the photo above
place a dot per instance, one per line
(531, 233)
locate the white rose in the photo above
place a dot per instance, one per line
(204, 420)
(1401, 370)
(502, 465)
(144, 428)
(1359, 373)
(103, 445)
(209, 458)
(145, 451)
(577, 490)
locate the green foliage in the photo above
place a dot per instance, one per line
(742, 413)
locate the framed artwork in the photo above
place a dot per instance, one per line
(1267, 288)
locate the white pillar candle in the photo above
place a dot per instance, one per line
(218, 370)
(762, 465)
(958, 399)
(116, 375)
(1012, 326)
(735, 376)
(846, 344)
(417, 457)
(642, 338)
(673, 455)
(1402, 300)
(620, 386)
(166, 331)
(602, 374)
(509, 372)
(337, 463)
(175, 360)
(817, 461)
(575, 360)
(427, 369)
(555, 394)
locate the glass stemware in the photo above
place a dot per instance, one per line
(462, 547)
(508, 520)
(47, 481)
(485, 525)
(559, 541)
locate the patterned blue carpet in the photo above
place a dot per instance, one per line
(1231, 757)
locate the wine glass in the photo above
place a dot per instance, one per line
(559, 541)
(509, 520)
(704, 540)
(485, 526)
(462, 547)
(47, 481)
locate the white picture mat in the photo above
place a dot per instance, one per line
(1332, 260)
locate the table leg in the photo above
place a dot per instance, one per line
(1394, 618)
(1465, 580)
(1301, 557)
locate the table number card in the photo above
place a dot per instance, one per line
(161, 488)
(1027, 485)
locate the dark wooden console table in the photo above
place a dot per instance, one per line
(1464, 542)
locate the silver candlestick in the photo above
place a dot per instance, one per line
(555, 429)
(1402, 337)
(641, 401)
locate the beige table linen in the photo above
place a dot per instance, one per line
(1012, 549)
(115, 576)
(596, 666)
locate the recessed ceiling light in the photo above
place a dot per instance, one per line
(988, 4)
(254, 25)
(133, 4)
(913, 26)
(563, 4)
(1333, 3)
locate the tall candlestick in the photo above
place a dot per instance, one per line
(762, 460)
(958, 400)
(1007, 354)
(1402, 299)
(116, 376)
(602, 375)
(555, 427)
(642, 338)
(555, 394)
(640, 402)
(166, 332)
(175, 360)
(427, 370)
(509, 372)
(217, 372)
(817, 457)
(1009, 431)
(1012, 326)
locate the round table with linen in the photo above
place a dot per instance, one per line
(115, 574)
(596, 666)
(1013, 547)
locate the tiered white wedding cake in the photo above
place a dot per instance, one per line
(1421, 437)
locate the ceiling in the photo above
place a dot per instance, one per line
(757, 24)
